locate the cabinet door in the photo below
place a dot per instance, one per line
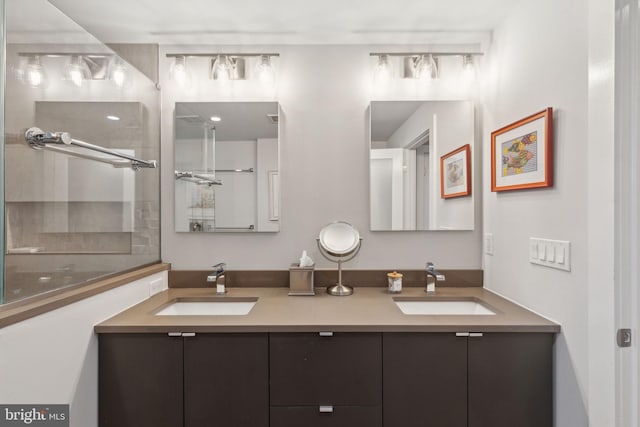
(342, 416)
(140, 380)
(424, 380)
(310, 370)
(226, 380)
(510, 380)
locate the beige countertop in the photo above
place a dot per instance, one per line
(369, 309)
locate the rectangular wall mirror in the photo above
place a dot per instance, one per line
(227, 167)
(409, 141)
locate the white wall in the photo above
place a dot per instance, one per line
(540, 56)
(53, 358)
(324, 164)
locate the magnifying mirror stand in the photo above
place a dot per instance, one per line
(339, 289)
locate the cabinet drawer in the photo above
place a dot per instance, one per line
(343, 369)
(342, 416)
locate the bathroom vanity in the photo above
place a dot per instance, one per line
(326, 361)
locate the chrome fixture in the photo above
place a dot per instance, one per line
(197, 178)
(339, 242)
(225, 66)
(417, 65)
(217, 277)
(79, 67)
(437, 277)
(41, 140)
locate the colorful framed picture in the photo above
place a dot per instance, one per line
(455, 173)
(522, 153)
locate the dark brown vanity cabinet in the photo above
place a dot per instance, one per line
(467, 380)
(195, 380)
(325, 379)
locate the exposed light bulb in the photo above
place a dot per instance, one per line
(382, 72)
(222, 68)
(119, 74)
(426, 69)
(180, 73)
(75, 72)
(468, 68)
(34, 74)
(265, 71)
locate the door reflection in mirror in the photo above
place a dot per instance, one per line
(226, 157)
(407, 139)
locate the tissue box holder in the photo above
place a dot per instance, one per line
(301, 280)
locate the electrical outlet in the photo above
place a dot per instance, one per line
(488, 243)
(156, 286)
(550, 253)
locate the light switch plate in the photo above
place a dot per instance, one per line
(550, 253)
(488, 243)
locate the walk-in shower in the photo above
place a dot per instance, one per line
(81, 146)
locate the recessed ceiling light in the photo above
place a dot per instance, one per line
(215, 118)
(114, 118)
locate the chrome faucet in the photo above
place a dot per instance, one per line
(217, 277)
(437, 276)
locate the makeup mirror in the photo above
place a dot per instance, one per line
(339, 242)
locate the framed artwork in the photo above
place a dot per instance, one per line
(522, 153)
(455, 173)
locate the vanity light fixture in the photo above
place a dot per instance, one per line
(418, 65)
(232, 66)
(79, 67)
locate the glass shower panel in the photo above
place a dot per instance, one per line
(74, 215)
(2, 73)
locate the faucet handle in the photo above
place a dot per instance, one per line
(430, 266)
(220, 267)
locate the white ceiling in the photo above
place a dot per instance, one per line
(262, 22)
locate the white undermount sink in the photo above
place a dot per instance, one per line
(214, 306)
(458, 307)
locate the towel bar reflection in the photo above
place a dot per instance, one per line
(40, 140)
(197, 178)
(251, 227)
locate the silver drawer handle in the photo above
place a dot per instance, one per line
(326, 409)
(188, 334)
(325, 334)
(476, 334)
(462, 334)
(174, 334)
